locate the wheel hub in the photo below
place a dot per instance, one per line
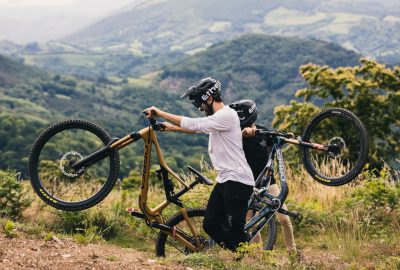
(66, 161)
(336, 146)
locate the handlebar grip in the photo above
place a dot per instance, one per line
(153, 122)
(160, 125)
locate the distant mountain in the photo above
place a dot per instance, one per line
(264, 68)
(189, 26)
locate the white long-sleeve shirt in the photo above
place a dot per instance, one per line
(225, 144)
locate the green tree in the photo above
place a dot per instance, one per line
(371, 91)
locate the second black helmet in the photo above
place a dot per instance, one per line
(246, 110)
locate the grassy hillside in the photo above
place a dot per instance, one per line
(13, 72)
(260, 67)
(349, 227)
(31, 99)
(264, 68)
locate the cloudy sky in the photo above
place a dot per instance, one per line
(58, 3)
(24, 21)
(115, 3)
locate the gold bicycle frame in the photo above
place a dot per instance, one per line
(155, 214)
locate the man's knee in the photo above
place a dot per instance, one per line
(208, 226)
(284, 220)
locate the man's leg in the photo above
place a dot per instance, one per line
(215, 216)
(236, 196)
(287, 227)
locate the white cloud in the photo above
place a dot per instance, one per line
(34, 3)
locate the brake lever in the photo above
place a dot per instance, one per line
(156, 125)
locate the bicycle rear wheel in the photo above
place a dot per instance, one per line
(52, 176)
(168, 246)
(344, 131)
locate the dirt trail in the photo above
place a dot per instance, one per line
(23, 252)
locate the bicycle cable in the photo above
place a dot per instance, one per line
(128, 130)
(133, 127)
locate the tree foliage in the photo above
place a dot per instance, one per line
(370, 90)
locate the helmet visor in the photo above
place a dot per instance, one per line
(196, 102)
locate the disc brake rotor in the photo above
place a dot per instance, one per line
(66, 161)
(339, 144)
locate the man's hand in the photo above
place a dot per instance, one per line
(152, 112)
(249, 131)
(169, 127)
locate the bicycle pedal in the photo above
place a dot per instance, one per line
(298, 218)
(135, 212)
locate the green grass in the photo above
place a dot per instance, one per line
(335, 231)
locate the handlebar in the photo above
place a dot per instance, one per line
(289, 137)
(156, 125)
(275, 133)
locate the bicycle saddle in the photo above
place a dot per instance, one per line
(202, 179)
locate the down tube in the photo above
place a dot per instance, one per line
(282, 173)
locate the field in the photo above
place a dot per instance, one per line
(355, 226)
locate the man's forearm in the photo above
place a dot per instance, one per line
(173, 118)
(179, 129)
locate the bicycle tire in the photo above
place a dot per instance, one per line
(335, 121)
(34, 166)
(162, 238)
(271, 234)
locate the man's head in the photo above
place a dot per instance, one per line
(203, 94)
(246, 110)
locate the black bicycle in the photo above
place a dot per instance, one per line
(335, 150)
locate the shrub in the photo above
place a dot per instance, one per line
(13, 199)
(72, 222)
(9, 229)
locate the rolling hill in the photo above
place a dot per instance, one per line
(264, 68)
(147, 35)
(189, 26)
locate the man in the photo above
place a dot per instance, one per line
(227, 206)
(256, 149)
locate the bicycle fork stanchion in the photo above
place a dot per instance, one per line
(190, 225)
(172, 231)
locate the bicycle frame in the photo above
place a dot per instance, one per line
(265, 214)
(152, 216)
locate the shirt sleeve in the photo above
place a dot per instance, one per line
(215, 122)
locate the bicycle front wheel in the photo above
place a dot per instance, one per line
(347, 136)
(269, 234)
(167, 245)
(52, 176)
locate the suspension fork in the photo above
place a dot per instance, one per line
(190, 225)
